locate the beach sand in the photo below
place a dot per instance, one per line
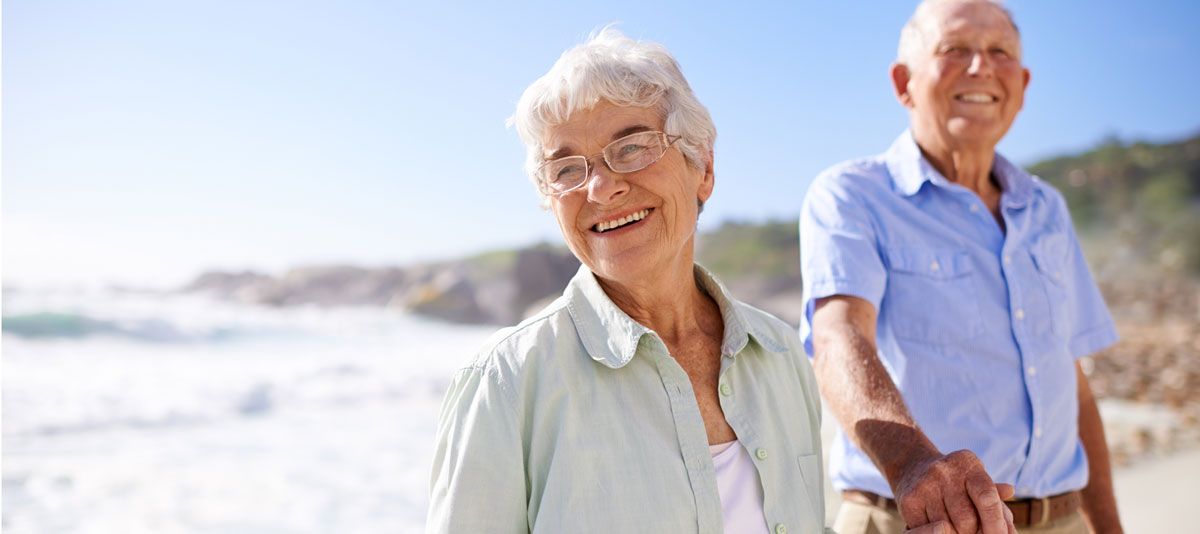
(1152, 492)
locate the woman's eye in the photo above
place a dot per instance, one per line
(630, 149)
(568, 172)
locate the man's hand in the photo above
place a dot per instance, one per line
(953, 489)
(953, 494)
(942, 527)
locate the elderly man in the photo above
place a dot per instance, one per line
(947, 303)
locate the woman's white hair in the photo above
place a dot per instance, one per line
(610, 66)
(913, 36)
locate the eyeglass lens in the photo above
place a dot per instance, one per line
(627, 154)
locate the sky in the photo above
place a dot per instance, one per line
(146, 142)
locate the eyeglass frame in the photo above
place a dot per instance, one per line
(667, 139)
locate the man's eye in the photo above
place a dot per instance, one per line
(1001, 52)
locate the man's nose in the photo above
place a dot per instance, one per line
(605, 185)
(981, 64)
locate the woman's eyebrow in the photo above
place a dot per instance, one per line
(560, 153)
(630, 130)
(566, 150)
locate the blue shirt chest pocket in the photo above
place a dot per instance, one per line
(932, 295)
(1050, 256)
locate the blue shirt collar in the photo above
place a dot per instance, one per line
(611, 336)
(910, 170)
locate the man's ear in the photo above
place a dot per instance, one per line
(900, 77)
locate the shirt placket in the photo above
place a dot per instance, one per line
(1018, 270)
(766, 457)
(693, 439)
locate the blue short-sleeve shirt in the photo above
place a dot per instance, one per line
(978, 326)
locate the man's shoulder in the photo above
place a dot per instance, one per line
(1046, 191)
(1039, 188)
(856, 174)
(1046, 198)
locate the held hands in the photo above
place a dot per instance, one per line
(953, 494)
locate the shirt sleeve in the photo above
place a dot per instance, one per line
(839, 252)
(478, 482)
(1092, 327)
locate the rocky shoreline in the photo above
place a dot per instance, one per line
(1149, 383)
(495, 288)
(1150, 380)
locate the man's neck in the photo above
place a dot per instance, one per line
(968, 166)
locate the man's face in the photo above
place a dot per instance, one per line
(966, 83)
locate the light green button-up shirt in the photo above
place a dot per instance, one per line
(579, 420)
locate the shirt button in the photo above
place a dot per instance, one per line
(1007, 260)
(1057, 274)
(781, 529)
(934, 266)
(1026, 491)
(1020, 314)
(1037, 432)
(974, 208)
(1032, 370)
(761, 453)
(726, 389)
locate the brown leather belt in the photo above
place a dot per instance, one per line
(1026, 512)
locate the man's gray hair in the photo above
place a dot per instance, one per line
(913, 36)
(610, 66)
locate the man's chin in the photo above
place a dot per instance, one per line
(976, 132)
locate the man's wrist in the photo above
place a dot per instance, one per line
(908, 462)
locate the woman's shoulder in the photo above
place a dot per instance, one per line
(509, 349)
(766, 325)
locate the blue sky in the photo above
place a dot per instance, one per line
(144, 142)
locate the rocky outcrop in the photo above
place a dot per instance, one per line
(494, 288)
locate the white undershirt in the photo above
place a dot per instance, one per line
(741, 493)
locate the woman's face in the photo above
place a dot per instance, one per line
(658, 203)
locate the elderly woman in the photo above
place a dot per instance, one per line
(645, 399)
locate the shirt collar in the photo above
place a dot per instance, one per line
(910, 170)
(611, 336)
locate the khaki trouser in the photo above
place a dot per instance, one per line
(855, 518)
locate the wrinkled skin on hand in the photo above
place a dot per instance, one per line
(953, 494)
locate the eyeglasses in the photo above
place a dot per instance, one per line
(631, 153)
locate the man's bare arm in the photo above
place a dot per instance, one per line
(1099, 504)
(929, 486)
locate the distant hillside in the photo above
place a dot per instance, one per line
(1136, 204)
(760, 262)
(1137, 208)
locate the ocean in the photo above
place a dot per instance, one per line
(151, 413)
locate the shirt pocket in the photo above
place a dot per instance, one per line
(1050, 256)
(931, 295)
(814, 485)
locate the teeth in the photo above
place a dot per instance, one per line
(976, 97)
(609, 225)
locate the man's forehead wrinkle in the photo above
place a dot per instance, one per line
(945, 27)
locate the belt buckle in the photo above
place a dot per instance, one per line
(1045, 511)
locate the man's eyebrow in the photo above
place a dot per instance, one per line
(566, 150)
